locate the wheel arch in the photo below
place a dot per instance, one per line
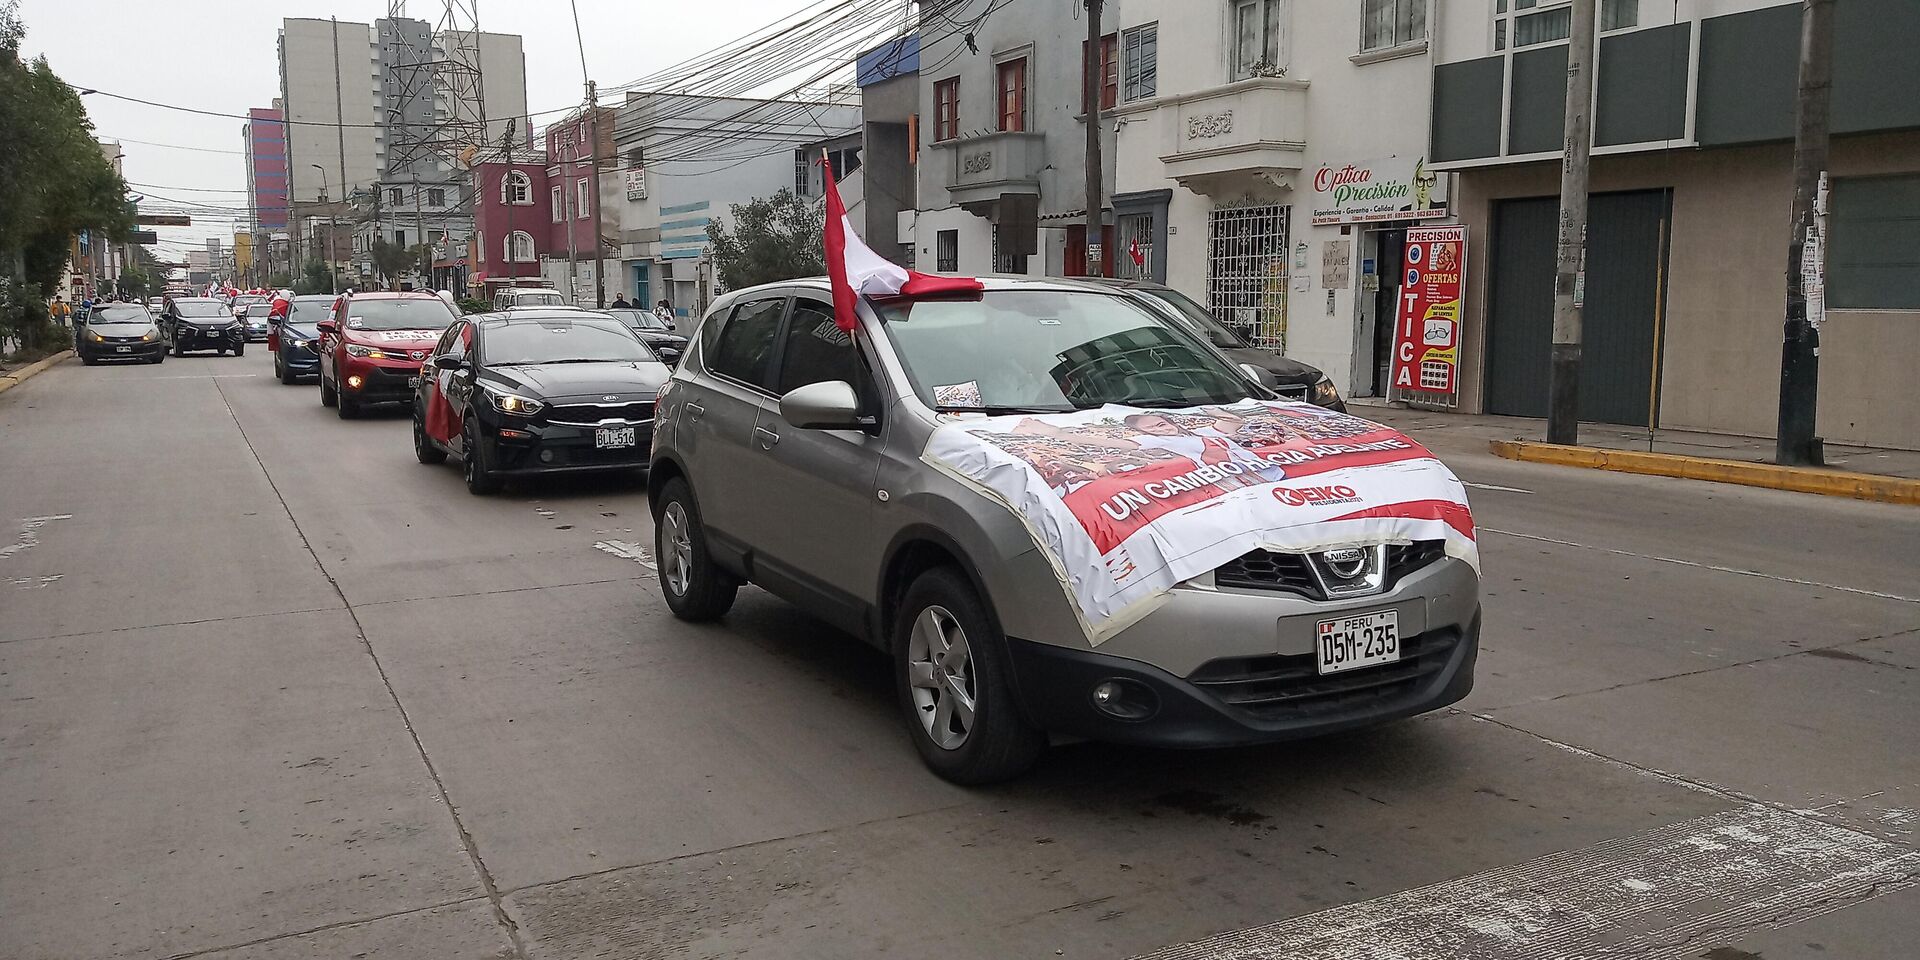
(913, 551)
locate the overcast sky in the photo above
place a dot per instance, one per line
(219, 55)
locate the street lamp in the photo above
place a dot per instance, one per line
(332, 277)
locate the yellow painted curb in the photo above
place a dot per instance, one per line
(1830, 483)
(12, 380)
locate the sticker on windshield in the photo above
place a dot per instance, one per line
(958, 394)
(401, 336)
(355, 323)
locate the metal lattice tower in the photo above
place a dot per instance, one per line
(462, 101)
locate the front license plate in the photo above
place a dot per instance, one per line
(1365, 640)
(613, 438)
(122, 349)
(412, 382)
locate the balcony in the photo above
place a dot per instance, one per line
(1222, 140)
(986, 167)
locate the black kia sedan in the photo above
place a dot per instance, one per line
(120, 331)
(203, 323)
(1290, 378)
(535, 391)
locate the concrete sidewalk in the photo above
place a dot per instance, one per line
(1685, 443)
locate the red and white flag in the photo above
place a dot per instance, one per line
(856, 271)
(1133, 250)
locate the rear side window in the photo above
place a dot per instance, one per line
(817, 349)
(744, 349)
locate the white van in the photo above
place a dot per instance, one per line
(510, 297)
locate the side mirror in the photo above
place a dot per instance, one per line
(1257, 375)
(447, 361)
(828, 405)
(327, 326)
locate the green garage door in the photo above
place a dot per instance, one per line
(1626, 257)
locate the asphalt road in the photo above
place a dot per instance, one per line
(271, 689)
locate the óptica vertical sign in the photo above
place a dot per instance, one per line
(1426, 326)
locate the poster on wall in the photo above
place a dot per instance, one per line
(1426, 325)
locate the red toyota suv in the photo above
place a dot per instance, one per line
(371, 346)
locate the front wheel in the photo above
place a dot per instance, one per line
(481, 480)
(328, 395)
(955, 686)
(423, 448)
(178, 350)
(696, 588)
(239, 349)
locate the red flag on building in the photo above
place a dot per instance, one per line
(1133, 250)
(855, 270)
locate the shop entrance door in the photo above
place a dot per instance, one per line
(1389, 251)
(1626, 258)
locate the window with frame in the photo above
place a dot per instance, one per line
(396, 196)
(1011, 77)
(1140, 63)
(559, 204)
(516, 188)
(946, 109)
(1109, 72)
(1873, 245)
(744, 347)
(946, 251)
(1531, 22)
(817, 350)
(583, 198)
(1257, 28)
(519, 247)
(436, 197)
(1389, 23)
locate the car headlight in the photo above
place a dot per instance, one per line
(374, 353)
(517, 405)
(150, 336)
(1325, 393)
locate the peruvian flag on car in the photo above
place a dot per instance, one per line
(856, 271)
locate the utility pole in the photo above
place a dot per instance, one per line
(340, 130)
(420, 226)
(568, 205)
(1093, 75)
(506, 150)
(332, 225)
(1569, 282)
(1795, 443)
(599, 208)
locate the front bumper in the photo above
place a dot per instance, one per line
(299, 361)
(1238, 701)
(208, 340)
(140, 350)
(563, 448)
(380, 381)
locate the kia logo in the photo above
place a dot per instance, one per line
(1302, 496)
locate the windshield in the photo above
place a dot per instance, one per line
(1023, 350)
(546, 299)
(119, 313)
(1196, 316)
(308, 313)
(559, 341)
(202, 309)
(259, 310)
(640, 319)
(417, 313)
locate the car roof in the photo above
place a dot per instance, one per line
(398, 295)
(533, 314)
(314, 298)
(197, 300)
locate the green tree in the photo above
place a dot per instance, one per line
(773, 238)
(314, 279)
(136, 282)
(52, 175)
(279, 281)
(390, 260)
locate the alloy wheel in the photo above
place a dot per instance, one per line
(940, 675)
(679, 548)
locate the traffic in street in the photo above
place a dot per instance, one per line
(275, 688)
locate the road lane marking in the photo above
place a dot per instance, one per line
(1707, 566)
(1495, 486)
(28, 538)
(1674, 892)
(206, 376)
(627, 550)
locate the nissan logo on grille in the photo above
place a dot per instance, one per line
(1345, 562)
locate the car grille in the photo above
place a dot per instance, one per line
(1291, 391)
(123, 340)
(592, 413)
(1290, 686)
(1267, 570)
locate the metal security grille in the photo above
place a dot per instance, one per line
(1004, 262)
(1135, 233)
(1247, 271)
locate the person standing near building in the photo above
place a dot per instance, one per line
(620, 303)
(664, 311)
(59, 312)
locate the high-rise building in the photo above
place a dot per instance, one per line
(266, 150)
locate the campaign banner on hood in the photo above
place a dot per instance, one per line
(1129, 502)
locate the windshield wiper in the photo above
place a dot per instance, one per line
(592, 360)
(997, 410)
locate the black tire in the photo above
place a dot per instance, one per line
(239, 349)
(281, 370)
(423, 449)
(708, 591)
(347, 407)
(328, 396)
(88, 361)
(178, 350)
(481, 480)
(219, 351)
(158, 358)
(999, 744)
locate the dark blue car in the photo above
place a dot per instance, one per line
(293, 339)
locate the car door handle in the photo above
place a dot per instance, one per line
(695, 411)
(766, 437)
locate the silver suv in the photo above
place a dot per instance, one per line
(789, 454)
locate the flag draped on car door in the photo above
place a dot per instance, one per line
(856, 271)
